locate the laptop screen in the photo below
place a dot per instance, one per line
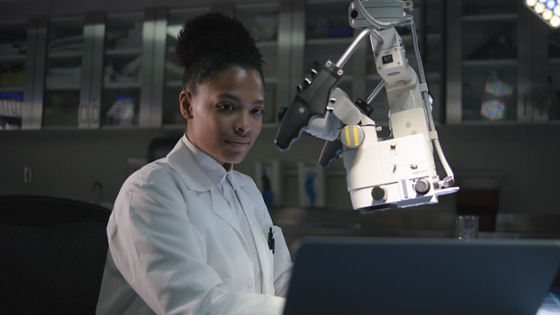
(421, 276)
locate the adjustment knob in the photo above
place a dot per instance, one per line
(352, 136)
(422, 186)
(379, 194)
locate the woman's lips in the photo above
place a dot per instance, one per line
(238, 144)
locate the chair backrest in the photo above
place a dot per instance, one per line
(52, 256)
(160, 147)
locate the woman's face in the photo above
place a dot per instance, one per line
(225, 115)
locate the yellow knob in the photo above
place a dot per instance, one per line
(352, 136)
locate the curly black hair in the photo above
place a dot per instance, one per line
(212, 43)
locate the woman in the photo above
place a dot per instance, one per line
(188, 234)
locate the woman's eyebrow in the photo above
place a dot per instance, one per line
(237, 99)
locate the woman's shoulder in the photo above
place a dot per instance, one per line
(150, 189)
(154, 173)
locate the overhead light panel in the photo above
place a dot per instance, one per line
(547, 10)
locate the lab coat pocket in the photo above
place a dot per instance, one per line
(277, 246)
(281, 253)
(267, 258)
(270, 232)
(280, 260)
(274, 240)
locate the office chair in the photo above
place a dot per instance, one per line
(52, 255)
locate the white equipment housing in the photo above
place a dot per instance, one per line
(399, 171)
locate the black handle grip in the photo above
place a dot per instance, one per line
(330, 152)
(295, 119)
(311, 100)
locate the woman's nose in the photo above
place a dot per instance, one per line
(242, 123)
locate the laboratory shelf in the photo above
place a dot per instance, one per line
(11, 89)
(12, 58)
(75, 76)
(329, 41)
(267, 44)
(270, 79)
(490, 17)
(173, 84)
(65, 54)
(123, 52)
(122, 85)
(119, 127)
(62, 87)
(173, 126)
(490, 63)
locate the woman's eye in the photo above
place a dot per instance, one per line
(225, 107)
(258, 111)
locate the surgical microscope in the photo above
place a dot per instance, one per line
(381, 173)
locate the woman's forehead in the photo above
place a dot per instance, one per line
(235, 75)
(235, 81)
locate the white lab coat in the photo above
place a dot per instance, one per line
(173, 250)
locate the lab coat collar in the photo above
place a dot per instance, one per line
(215, 171)
(181, 159)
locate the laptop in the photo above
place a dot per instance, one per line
(421, 276)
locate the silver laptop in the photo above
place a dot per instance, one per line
(421, 276)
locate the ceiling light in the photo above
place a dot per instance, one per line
(555, 21)
(546, 10)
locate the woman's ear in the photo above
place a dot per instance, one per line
(185, 104)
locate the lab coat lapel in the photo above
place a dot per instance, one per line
(182, 161)
(259, 235)
(222, 210)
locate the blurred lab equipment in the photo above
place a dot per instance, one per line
(10, 110)
(466, 227)
(398, 171)
(121, 112)
(497, 95)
